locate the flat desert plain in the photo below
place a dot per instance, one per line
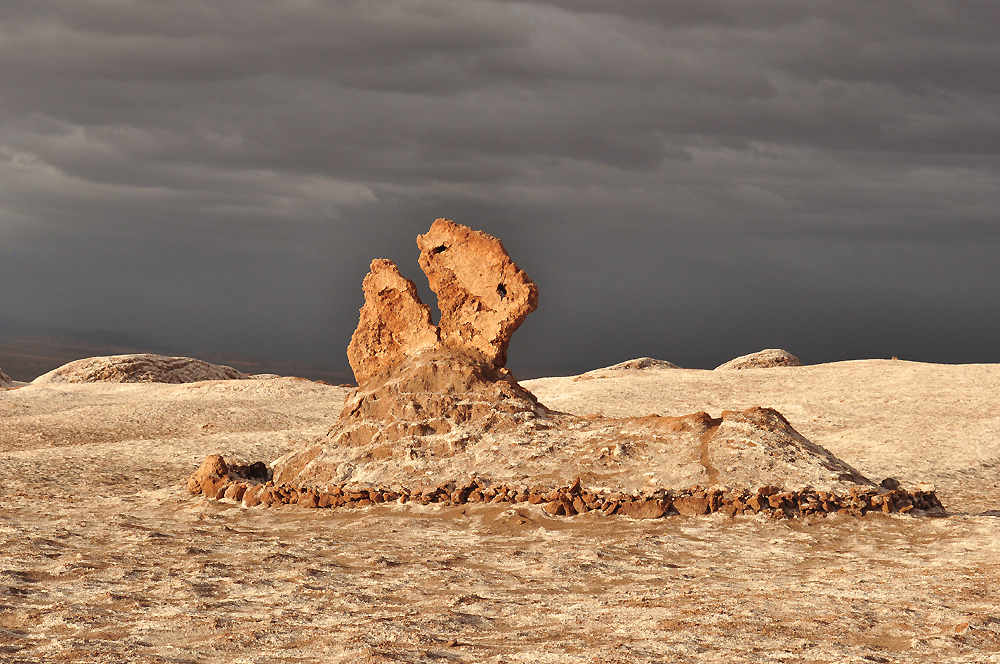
(105, 556)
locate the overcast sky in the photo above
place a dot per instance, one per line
(685, 180)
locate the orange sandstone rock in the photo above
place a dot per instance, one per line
(213, 466)
(394, 323)
(482, 295)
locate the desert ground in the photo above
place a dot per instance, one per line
(106, 557)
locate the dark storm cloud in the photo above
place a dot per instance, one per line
(220, 172)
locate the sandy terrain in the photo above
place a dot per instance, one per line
(106, 558)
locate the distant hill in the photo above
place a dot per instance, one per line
(28, 351)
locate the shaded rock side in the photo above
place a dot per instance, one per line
(140, 368)
(5, 380)
(482, 295)
(772, 357)
(394, 323)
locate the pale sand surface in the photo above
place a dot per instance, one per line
(916, 422)
(105, 558)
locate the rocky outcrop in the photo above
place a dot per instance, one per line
(394, 323)
(5, 380)
(142, 368)
(772, 357)
(416, 379)
(434, 404)
(507, 438)
(482, 295)
(217, 479)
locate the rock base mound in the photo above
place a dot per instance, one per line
(765, 359)
(747, 448)
(139, 368)
(436, 404)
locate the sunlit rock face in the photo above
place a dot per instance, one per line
(416, 379)
(394, 323)
(482, 294)
(483, 297)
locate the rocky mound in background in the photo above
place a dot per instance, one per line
(641, 364)
(638, 364)
(5, 380)
(772, 357)
(437, 418)
(140, 368)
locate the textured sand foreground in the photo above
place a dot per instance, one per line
(106, 558)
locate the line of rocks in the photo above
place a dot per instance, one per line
(249, 485)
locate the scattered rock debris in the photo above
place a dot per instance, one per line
(218, 480)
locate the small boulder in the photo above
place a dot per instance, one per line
(554, 508)
(890, 483)
(250, 498)
(235, 491)
(213, 465)
(214, 487)
(309, 499)
(692, 505)
(644, 509)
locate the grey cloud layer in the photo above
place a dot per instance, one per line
(139, 121)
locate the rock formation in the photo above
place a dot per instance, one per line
(394, 323)
(416, 379)
(141, 368)
(772, 357)
(573, 498)
(437, 418)
(482, 295)
(5, 380)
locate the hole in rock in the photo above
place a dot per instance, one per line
(501, 291)
(438, 250)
